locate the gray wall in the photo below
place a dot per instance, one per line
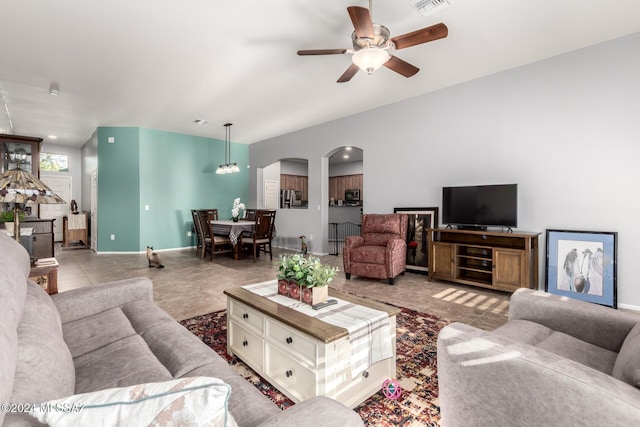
(565, 129)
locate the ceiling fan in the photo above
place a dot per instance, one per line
(371, 45)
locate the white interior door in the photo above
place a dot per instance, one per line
(94, 210)
(271, 198)
(61, 185)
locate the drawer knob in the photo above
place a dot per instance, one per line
(289, 340)
(245, 343)
(245, 316)
(289, 373)
(365, 374)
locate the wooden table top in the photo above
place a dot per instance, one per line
(316, 328)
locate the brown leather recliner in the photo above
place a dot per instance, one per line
(381, 250)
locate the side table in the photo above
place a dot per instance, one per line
(45, 274)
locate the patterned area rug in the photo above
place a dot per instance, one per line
(416, 369)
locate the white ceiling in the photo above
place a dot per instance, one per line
(162, 64)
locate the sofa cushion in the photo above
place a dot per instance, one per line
(94, 332)
(524, 331)
(580, 351)
(121, 363)
(198, 401)
(369, 254)
(44, 369)
(559, 343)
(627, 366)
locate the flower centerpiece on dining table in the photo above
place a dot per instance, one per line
(304, 278)
(235, 210)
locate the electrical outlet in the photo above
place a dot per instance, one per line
(310, 236)
(113, 237)
(188, 234)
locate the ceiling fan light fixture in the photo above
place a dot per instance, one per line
(370, 59)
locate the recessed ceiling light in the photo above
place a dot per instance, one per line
(52, 137)
(346, 156)
(200, 121)
(348, 148)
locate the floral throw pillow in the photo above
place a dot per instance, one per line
(193, 401)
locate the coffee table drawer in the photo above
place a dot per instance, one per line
(290, 374)
(246, 316)
(293, 341)
(246, 345)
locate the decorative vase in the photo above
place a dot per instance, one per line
(235, 219)
(294, 290)
(315, 295)
(283, 287)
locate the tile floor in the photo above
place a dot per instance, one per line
(189, 286)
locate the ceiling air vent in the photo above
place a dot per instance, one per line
(429, 7)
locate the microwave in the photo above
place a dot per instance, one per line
(352, 195)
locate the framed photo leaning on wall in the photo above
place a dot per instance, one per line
(420, 219)
(582, 265)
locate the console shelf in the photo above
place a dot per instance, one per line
(488, 259)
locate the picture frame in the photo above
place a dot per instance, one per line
(420, 219)
(582, 265)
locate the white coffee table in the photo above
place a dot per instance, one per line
(300, 355)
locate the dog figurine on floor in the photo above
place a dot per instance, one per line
(303, 246)
(153, 258)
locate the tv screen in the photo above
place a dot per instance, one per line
(480, 205)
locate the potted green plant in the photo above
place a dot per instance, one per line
(316, 285)
(292, 273)
(8, 216)
(304, 278)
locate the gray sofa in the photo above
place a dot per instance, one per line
(113, 335)
(556, 362)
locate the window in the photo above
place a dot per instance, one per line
(54, 162)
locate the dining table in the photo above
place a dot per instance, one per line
(232, 229)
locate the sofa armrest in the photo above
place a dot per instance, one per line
(78, 303)
(396, 254)
(595, 324)
(350, 243)
(486, 379)
(353, 241)
(316, 412)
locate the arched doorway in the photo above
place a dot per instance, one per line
(346, 195)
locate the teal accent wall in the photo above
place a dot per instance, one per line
(174, 173)
(118, 189)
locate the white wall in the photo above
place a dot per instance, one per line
(75, 168)
(565, 129)
(348, 168)
(294, 167)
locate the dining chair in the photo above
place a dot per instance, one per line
(260, 237)
(204, 243)
(219, 244)
(250, 214)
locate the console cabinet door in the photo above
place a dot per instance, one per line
(509, 267)
(443, 260)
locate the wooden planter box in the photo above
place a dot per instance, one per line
(310, 296)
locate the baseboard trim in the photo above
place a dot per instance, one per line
(629, 307)
(144, 251)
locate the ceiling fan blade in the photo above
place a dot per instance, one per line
(347, 75)
(434, 32)
(322, 52)
(401, 67)
(361, 21)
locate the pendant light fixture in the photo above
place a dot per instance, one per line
(227, 167)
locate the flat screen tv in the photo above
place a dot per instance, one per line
(480, 206)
